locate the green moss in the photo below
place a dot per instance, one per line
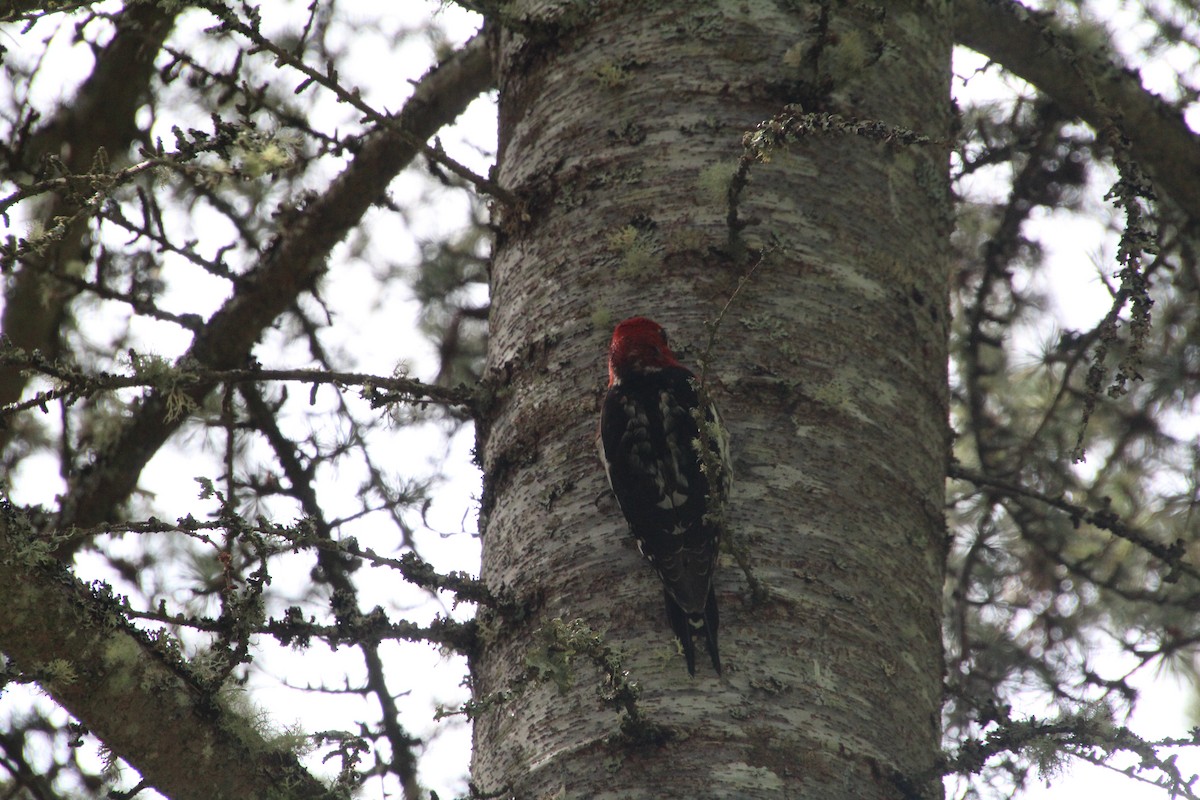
(687, 239)
(122, 659)
(835, 393)
(58, 673)
(636, 248)
(848, 57)
(796, 55)
(776, 332)
(612, 76)
(715, 180)
(559, 643)
(258, 155)
(602, 319)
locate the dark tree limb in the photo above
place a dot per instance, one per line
(132, 692)
(290, 266)
(100, 116)
(344, 603)
(1090, 84)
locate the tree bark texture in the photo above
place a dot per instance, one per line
(620, 126)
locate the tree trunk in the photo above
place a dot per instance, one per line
(620, 127)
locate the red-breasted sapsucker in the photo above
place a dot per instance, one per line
(670, 475)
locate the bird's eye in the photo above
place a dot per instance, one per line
(664, 337)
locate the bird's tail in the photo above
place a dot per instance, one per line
(689, 627)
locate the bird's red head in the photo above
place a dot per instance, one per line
(639, 344)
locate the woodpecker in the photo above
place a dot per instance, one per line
(670, 476)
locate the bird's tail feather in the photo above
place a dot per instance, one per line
(689, 627)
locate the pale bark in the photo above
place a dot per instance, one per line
(830, 369)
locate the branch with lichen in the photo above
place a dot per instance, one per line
(294, 629)
(1137, 238)
(272, 539)
(1051, 742)
(328, 78)
(152, 372)
(710, 431)
(1105, 519)
(131, 688)
(791, 125)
